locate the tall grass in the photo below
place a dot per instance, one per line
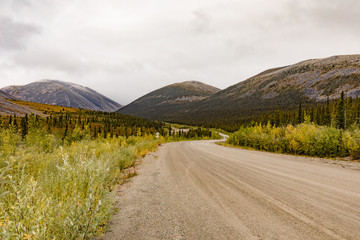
(304, 139)
(53, 188)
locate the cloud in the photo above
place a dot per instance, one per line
(125, 49)
(201, 22)
(16, 4)
(14, 35)
(342, 14)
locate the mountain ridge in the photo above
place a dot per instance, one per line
(308, 81)
(62, 93)
(7, 107)
(162, 103)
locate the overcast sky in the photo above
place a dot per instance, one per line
(127, 48)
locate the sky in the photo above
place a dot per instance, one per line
(127, 48)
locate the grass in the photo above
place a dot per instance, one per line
(62, 190)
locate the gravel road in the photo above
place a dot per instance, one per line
(200, 190)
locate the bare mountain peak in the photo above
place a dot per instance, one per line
(62, 93)
(64, 84)
(197, 85)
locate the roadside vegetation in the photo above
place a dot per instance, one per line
(55, 189)
(58, 175)
(303, 139)
(331, 131)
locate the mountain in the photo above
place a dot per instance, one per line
(9, 108)
(309, 82)
(168, 102)
(61, 93)
(5, 95)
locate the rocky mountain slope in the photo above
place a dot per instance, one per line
(170, 101)
(62, 94)
(9, 108)
(309, 81)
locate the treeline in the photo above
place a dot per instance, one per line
(340, 113)
(321, 113)
(191, 133)
(97, 123)
(101, 124)
(330, 129)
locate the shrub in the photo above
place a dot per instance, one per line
(303, 139)
(51, 190)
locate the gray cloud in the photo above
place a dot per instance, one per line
(14, 35)
(201, 22)
(339, 13)
(16, 4)
(125, 49)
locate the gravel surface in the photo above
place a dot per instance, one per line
(200, 190)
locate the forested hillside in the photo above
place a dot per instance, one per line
(311, 82)
(326, 130)
(169, 102)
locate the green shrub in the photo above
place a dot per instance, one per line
(303, 139)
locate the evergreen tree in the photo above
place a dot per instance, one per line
(358, 111)
(24, 126)
(66, 131)
(312, 115)
(340, 112)
(277, 117)
(300, 117)
(15, 124)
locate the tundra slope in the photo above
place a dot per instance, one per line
(9, 108)
(61, 93)
(309, 81)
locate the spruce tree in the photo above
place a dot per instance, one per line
(327, 114)
(300, 117)
(24, 126)
(66, 131)
(358, 111)
(340, 112)
(277, 117)
(15, 124)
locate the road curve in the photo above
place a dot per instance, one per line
(200, 190)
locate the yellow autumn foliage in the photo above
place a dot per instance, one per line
(304, 139)
(55, 190)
